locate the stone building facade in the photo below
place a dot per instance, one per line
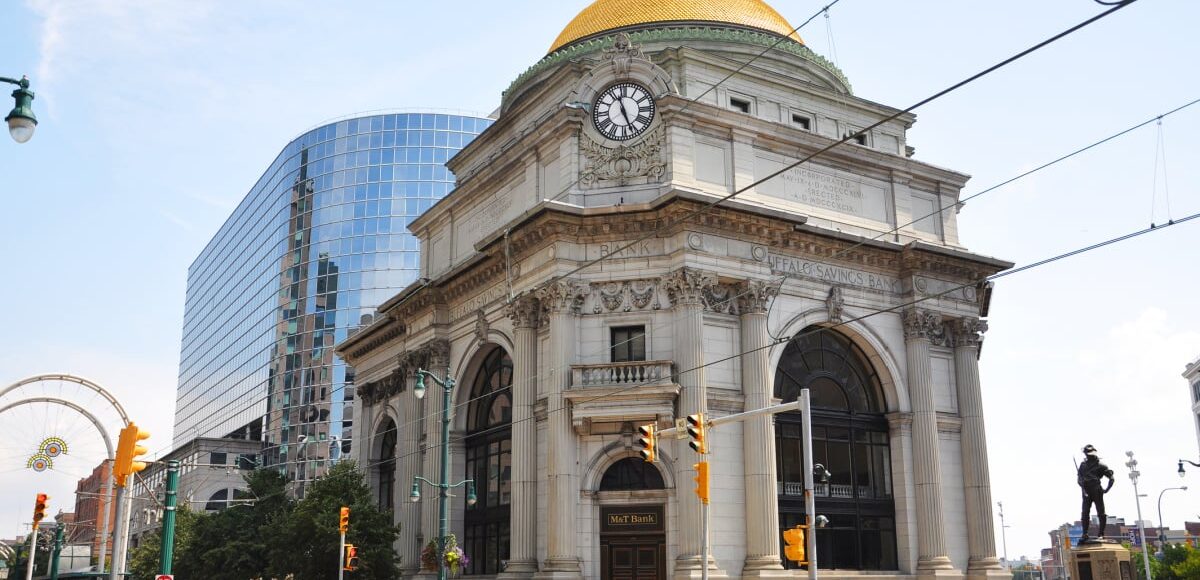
(595, 271)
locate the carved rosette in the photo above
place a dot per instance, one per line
(563, 296)
(923, 324)
(524, 312)
(688, 286)
(623, 163)
(967, 332)
(755, 295)
(835, 304)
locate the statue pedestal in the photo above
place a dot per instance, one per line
(1101, 560)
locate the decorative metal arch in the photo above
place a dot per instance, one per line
(73, 379)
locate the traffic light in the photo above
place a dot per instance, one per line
(695, 429)
(128, 450)
(351, 557)
(39, 508)
(702, 480)
(648, 441)
(795, 541)
(344, 520)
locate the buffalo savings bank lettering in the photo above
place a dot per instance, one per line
(833, 274)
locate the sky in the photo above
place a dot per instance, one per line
(156, 118)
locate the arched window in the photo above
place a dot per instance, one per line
(850, 438)
(629, 474)
(385, 466)
(218, 501)
(489, 463)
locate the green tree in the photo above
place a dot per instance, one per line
(145, 560)
(307, 545)
(1189, 568)
(235, 543)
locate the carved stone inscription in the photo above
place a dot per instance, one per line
(799, 267)
(478, 302)
(821, 189)
(617, 249)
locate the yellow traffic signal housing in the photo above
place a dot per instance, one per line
(128, 450)
(795, 541)
(695, 429)
(351, 557)
(344, 520)
(39, 508)
(649, 442)
(702, 480)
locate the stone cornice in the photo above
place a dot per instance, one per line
(371, 337)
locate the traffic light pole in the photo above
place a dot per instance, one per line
(167, 553)
(119, 528)
(58, 541)
(342, 556)
(31, 561)
(810, 505)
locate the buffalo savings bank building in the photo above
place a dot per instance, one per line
(797, 282)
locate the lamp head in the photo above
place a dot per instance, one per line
(21, 120)
(419, 388)
(822, 521)
(1181, 472)
(415, 496)
(471, 499)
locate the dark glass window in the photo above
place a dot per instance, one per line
(218, 501)
(629, 474)
(850, 438)
(386, 465)
(489, 464)
(628, 343)
(802, 121)
(216, 458)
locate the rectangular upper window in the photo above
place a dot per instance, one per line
(802, 121)
(628, 343)
(739, 104)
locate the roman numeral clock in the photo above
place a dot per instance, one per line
(623, 111)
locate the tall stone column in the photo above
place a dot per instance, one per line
(758, 435)
(522, 561)
(408, 464)
(436, 359)
(920, 328)
(689, 290)
(966, 334)
(561, 301)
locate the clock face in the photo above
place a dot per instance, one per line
(623, 111)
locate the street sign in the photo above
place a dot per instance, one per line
(165, 577)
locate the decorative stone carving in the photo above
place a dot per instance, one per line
(524, 312)
(382, 389)
(622, 52)
(481, 327)
(924, 324)
(835, 304)
(437, 354)
(625, 296)
(563, 296)
(754, 295)
(967, 332)
(720, 298)
(686, 286)
(622, 163)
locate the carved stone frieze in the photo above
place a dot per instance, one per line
(835, 304)
(967, 332)
(618, 165)
(924, 324)
(563, 296)
(687, 286)
(524, 312)
(625, 296)
(381, 390)
(755, 295)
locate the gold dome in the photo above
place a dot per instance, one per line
(604, 15)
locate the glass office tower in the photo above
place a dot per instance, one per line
(316, 245)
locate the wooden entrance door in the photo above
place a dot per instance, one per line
(633, 558)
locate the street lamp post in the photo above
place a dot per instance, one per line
(1133, 476)
(1162, 536)
(21, 120)
(443, 487)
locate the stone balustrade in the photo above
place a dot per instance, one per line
(621, 374)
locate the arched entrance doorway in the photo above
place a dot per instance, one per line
(850, 438)
(633, 537)
(488, 446)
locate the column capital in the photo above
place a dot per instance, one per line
(435, 354)
(967, 332)
(921, 324)
(691, 287)
(524, 311)
(753, 296)
(562, 296)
